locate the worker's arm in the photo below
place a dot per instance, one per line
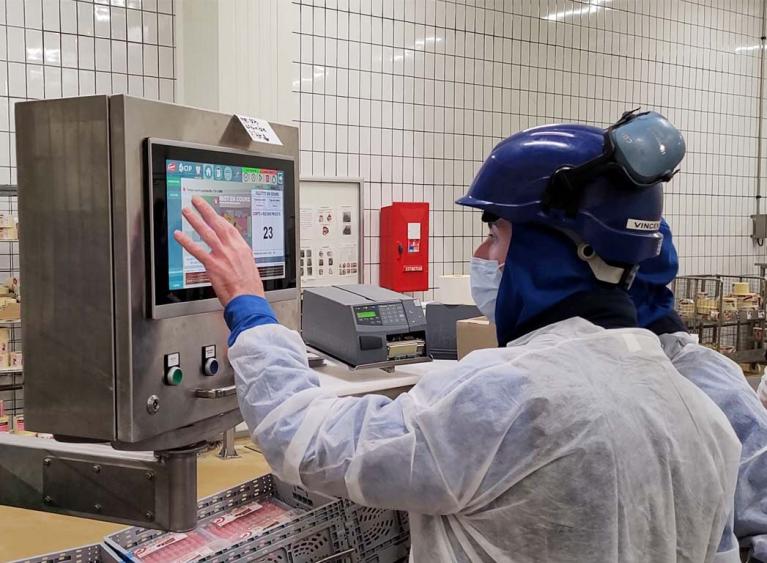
(761, 391)
(723, 381)
(748, 417)
(410, 453)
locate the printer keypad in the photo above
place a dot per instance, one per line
(393, 315)
(380, 315)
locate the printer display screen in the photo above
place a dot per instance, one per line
(380, 315)
(367, 315)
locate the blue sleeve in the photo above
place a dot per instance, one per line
(247, 311)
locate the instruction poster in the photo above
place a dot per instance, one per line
(330, 232)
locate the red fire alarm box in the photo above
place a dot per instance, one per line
(405, 247)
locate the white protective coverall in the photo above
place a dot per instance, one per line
(573, 444)
(761, 391)
(723, 381)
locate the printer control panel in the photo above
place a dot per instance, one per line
(380, 315)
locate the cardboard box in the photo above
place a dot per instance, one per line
(475, 334)
(11, 311)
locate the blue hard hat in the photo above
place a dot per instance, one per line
(604, 186)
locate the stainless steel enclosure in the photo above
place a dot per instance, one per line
(94, 359)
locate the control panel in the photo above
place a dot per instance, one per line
(154, 373)
(380, 315)
(209, 365)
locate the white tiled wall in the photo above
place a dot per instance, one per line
(62, 48)
(412, 95)
(55, 48)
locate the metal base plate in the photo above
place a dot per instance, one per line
(151, 490)
(116, 491)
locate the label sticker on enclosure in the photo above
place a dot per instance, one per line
(259, 130)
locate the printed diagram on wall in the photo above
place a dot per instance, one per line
(330, 232)
(325, 218)
(329, 244)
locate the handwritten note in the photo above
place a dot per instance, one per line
(259, 130)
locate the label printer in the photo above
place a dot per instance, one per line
(364, 326)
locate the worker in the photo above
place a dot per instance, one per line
(761, 390)
(574, 441)
(723, 381)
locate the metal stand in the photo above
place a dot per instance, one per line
(228, 450)
(147, 489)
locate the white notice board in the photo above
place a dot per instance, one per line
(330, 231)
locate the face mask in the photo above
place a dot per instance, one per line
(485, 280)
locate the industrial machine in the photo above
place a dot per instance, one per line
(405, 246)
(364, 326)
(124, 341)
(441, 337)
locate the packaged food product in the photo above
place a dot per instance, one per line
(7, 220)
(252, 519)
(740, 288)
(9, 233)
(686, 308)
(173, 548)
(5, 339)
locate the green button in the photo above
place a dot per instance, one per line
(174, 376)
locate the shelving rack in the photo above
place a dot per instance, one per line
(11, 379)
(739, 335)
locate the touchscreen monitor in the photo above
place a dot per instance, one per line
(255, 193)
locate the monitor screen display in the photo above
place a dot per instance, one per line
(255, 193)
(251, 199)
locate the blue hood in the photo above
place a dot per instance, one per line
(653, 299)
(542, 270)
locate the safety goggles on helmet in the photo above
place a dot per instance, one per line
(645, 147)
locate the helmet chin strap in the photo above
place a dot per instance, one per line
(603, 271)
